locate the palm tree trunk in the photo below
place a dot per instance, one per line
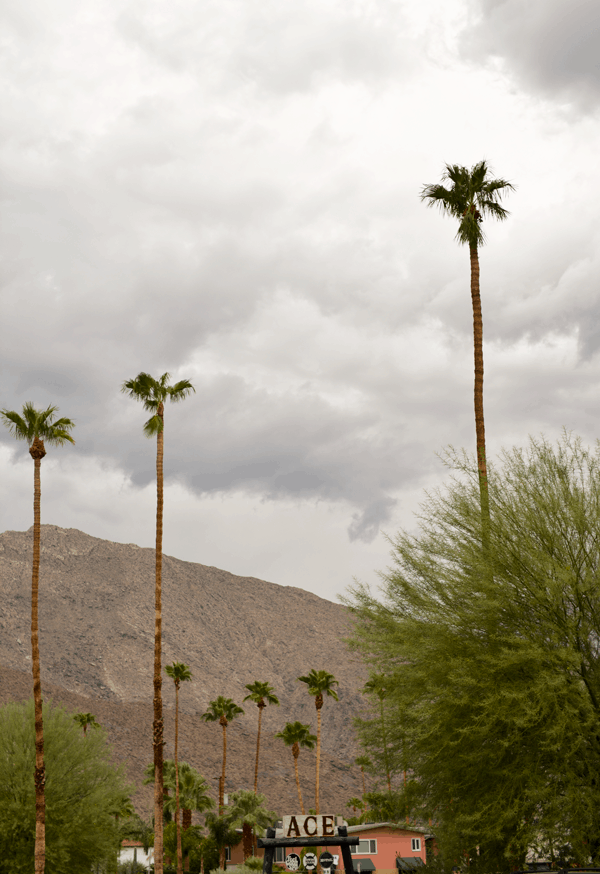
(298, 782)
(260, 710)
(37, 452)
(318, 759)
(222, 781)
(158, 726)
(478, 397)
(362, 771)
(177, 823)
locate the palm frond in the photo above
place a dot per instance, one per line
(17, 426)
(180, 390)
(153, 426)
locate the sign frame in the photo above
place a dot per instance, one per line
(341, 840)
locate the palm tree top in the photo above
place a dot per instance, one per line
(38, 424)
(153, 393)
(178, 672)
(363, 761)
(470, 198)
(221, 708)
(261, 693)
(85, 719)
(297, 733)
(249, 808)
(375, 685)
(320, 682)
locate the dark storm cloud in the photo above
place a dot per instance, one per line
(549, 46)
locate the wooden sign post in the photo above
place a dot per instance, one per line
(308, 831)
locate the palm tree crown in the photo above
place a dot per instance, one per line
(153, 393)
(222, 710)
(471, 198)
(179, 673)
(86, 720)
(248, 811)
(320, 683)
(38, 425)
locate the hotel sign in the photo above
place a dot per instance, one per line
(308, 826)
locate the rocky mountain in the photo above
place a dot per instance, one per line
(96, 643)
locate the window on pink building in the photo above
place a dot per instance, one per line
(367, 847)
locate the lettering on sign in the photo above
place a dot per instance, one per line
(308, 826)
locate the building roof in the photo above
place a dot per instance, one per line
(398, 826)
(127, 843)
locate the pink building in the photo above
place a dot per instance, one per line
(380, 844)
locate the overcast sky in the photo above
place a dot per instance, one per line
(228, 190)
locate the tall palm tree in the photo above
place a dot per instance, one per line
(375, 686)
(86, 720)
(222, 710)
(38, 427)
(471, 197)
(179, 673)
(296, 735)
(153, 393)
(262, 694)
(248, 811)
(319, 683)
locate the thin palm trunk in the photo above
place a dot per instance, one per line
(260, 710)
(37, 453)
(222, 781)
(296, 753)
(318, 759)
(158, 727)
(478, 398)
(177, 823)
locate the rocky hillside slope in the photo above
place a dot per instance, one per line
(96, 640)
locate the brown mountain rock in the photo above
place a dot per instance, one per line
(96, 640)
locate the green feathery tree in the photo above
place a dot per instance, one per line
(83, 790)
(494, 680)
(153, 394)
(38, 427)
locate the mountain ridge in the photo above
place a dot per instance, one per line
(96, 641)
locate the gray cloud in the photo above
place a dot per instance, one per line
(550, 46)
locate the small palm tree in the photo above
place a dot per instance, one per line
(153, 393)
(248, 811)
(222, 710)
(319, 683)
(86, 720)
(296, 735)
(193, 794)
(179, 673)
(470, 198)
(262, 694)
(38, 427)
